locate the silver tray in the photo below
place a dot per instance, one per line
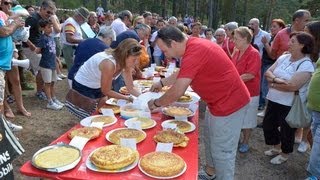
(57, 169)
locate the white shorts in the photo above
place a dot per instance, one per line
(250, 119)
(34, 59)
(48, 75)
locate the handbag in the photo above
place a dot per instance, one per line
(298, 116)
(80, 105)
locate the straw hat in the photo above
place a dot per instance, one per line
(83, 12)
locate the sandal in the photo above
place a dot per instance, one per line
(243, 148)
(272, 152)
(203, 175)
(278, 159)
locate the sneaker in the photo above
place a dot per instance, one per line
(58, 102)
(243, 148)
(297, 140)
(278, 160)
(261, 114)
(62, 76)
(14, 127)
(261, 107)
(59, 79)
(203, 175)
(303, 147)
(54, 106)
(41, 95)
(272, 152)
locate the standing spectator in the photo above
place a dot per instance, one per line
(290, 73)
(30, 9)
(47, 9)
(123, 22)
(109, 18)
(147, 18)
(267, 61)
(47, 49)
(56, 35)
(93, 22)
(196, 29)
(157, 53)
(71, 34)
(228, 44)
(207, 69)
(154, 22)
(173, 21)
(137, 20)
(209, 35)
(248, 63)
(258, 34)
(7, 47)
(313, 103)
(280, 43)
(220, 35)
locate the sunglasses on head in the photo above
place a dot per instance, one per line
(135, 49)
(7, 3)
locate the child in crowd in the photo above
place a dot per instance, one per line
(47, 48)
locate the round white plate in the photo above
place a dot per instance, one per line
(164, 112)
(94, 168)
(108, 134)
(158, 177)
(137, 83)
(193, 127)
(86, 122)
(195, 99)
(126, 123)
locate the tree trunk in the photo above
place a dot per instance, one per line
(164, 4)
(270, 14)
(233, 10)
(196, 9)
(245, 8)
(174, 8)
(104, 4)
(186, 7)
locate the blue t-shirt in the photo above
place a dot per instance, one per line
(48, 52)
(84, 51)
(6, 50)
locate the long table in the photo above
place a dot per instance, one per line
(189, 154)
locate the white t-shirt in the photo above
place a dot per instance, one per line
(118, 26)
(156, 50)
(73, 28)
(89, 73)
(286, 69)
(257, 40)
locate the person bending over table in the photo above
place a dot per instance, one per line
(94, 78)
(211, 74)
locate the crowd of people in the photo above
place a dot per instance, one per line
(104, 51)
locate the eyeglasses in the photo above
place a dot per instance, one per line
(7, 3)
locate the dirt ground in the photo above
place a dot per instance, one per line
(46, 125)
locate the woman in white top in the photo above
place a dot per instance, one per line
(94, 78)
(290, 73)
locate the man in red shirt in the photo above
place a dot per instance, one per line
(280, 43)
(211, 74)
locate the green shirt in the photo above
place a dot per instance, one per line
(314, 90)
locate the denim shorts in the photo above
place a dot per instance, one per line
(86, 91)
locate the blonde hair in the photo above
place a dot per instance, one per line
(244, 32)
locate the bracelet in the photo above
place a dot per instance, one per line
(161, 83)
(273, 80)
(154, 103)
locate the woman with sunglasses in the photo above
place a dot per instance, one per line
(94, 78)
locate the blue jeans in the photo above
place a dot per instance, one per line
(264, 85)
(314, 162)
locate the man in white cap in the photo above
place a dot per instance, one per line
(71, 34)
